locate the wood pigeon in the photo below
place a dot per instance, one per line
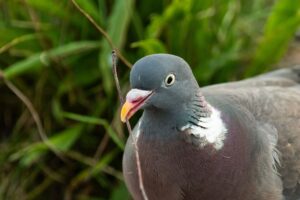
(232, 141)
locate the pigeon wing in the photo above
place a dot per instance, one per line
(274, 101)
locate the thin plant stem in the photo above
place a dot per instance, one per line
(135, 140)
(104, 33)
(34, 115)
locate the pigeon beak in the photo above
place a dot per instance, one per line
(135, 99)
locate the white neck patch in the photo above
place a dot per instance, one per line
(214, 131)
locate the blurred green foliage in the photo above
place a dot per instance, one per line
(57, 58)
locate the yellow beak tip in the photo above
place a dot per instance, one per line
(125, 111)
(123, 119)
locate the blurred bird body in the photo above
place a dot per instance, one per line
(232, 141)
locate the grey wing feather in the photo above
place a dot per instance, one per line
(282, 77)
(273, 99)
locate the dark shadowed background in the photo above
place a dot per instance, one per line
(60, 132)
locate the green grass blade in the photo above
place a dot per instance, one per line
(92, 171)
(89, 7)
(117, 30)
(62, 141)
(279, 30)
(96, 121)
(41, 59)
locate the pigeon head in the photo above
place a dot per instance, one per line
(160, 81)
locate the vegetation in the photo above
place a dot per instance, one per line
(60, 132)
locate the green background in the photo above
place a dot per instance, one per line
(56, 73)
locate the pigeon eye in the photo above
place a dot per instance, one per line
(170, 79)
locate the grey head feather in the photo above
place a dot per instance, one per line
(150, 72)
